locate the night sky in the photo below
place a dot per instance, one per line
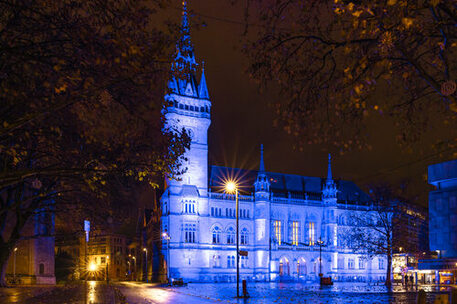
(242, 119)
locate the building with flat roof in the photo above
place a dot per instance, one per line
(442, 222)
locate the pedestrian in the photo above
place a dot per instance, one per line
(411, 278)
(406, 281)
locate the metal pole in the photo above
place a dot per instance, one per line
(107, 271)
(146, 266)
(14, 265)
(168, 259)
(320, 256)
(237, 246)
(85, 266)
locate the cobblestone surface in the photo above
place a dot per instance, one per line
(270, 293)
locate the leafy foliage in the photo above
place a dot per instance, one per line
(81, 98)
(342, 64)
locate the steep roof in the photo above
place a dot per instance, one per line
(281, 184)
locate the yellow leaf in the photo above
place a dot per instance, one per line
(357, 13)
(453, 107)
(407, 22)
(391, 2)
(435, 2)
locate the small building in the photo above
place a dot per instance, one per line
(442, 223)
(32, 259)
(105, 253)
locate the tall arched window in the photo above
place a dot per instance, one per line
(216, 235)
(231, 236)
(244, 236)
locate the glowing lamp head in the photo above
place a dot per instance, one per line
(92, 267)
(230, 187)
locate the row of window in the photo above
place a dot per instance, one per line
(190, 108)
(230, 234)
(231, 261)
(189, 207)
(294, 232)
(229, 212)
(190, 231)
(351, 264)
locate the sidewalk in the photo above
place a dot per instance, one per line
(97, 293)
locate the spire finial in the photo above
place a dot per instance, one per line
(262, 165)
(184, 45)
(329, 171)
(185, 19)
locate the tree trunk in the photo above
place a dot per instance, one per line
(389, 269)
(5, 253)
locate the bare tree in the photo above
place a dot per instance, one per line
(341, 64)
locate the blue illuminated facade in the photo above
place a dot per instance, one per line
(282, 216)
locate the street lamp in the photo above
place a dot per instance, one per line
(146, 262)
(320, 243)
(231, 187)
(134, 268)
(107, 269)
(167, 237)
(92, 267)
(14, 264)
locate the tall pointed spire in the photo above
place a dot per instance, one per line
(262, 165)
(202, 88)
(185, 47)
(329, 170)
(262, 184)
(329, 190)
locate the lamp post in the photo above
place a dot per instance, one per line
(231, 187)
(167, 237)
(14, 264)
(320, 243)
(134, 268)
(107, 270)
(146, 263)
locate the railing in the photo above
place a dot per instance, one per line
(282, 200)
(230, 197)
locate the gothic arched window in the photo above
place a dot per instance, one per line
(231, 236)
(216, 235)
(244, 236)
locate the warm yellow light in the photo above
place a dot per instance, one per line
(92, 267)
(144, 249)
(400, 248)
(230, 187)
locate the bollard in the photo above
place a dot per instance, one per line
(421, 297)
(453, 296)
(245, 289)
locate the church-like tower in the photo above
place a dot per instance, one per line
(188, 106)
(262, 222)
(185, 200)
(329, 217)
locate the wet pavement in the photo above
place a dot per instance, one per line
(203, 293)
(97, 293)
(272, 293)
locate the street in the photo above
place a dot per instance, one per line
(200, 293)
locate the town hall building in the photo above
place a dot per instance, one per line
(285, 220)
